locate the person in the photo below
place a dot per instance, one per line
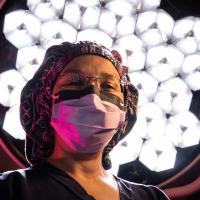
(76, 108)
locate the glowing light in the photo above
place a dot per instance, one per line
(161, 64)
(87, 3)
(120, 7)
(22, 20)
(182, 27)
(130, 43)
(187, 45)
(72, 14)
(186, 34)
(158, 20)
(32, 3)
(191, 71)
(45, 11)
(20, 39)
(90, 17)
(95, 35)
(147, 5)
(151, 38)
(128, 150)
(142, 34)
(133, 47)
(126, 25)
(158, 154)
(12, 117)
(174, 96)
(54, 7)
(60, 33)
(58, 5)
(28, 60)
(4, 94)
(183, 129)
(9, 80)
(191, 63)
(142, 98)
(150, 121)
(145, 82)
(136, 60)
(21, 28)
(193, 80)
(107, 22)
(145, 21)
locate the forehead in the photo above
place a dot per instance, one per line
(92, 65)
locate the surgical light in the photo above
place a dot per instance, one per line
(12, 123)
(150, 121)
(149, 5)
(145, 82)
(28, 60)
(87, 3)
(90, 17)
(183, 129)
(158, 154)
(130, 42)
(126, 25)
(107, 22)
(136, 60)
(162, 56)
(186, 34)
(46, 10)
(155, 19)
(161, 64)
(128, 150)
(120, 7)
(95, 35)
(191, 71)
(72, 14)
(173, 96)
(10, 80)
(21, 28)
(60, 32)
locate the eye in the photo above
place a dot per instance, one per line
(75, 83)
(108, 86)
(72, 79)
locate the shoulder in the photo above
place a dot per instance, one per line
(141, 191)
(17, 184)
(11, 176)
(21, 176)
(10, 183)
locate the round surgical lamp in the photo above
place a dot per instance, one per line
(159, 68)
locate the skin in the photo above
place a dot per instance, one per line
(87, 169)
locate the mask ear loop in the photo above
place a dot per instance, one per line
(54, 97)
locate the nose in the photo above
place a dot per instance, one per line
(94, 82)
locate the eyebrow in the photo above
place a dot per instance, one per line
(79, 71)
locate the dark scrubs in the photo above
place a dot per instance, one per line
(46, 182)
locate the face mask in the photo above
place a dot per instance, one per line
(86, 124)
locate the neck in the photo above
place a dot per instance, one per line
(79, 165)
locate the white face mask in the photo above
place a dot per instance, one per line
(86, 124)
